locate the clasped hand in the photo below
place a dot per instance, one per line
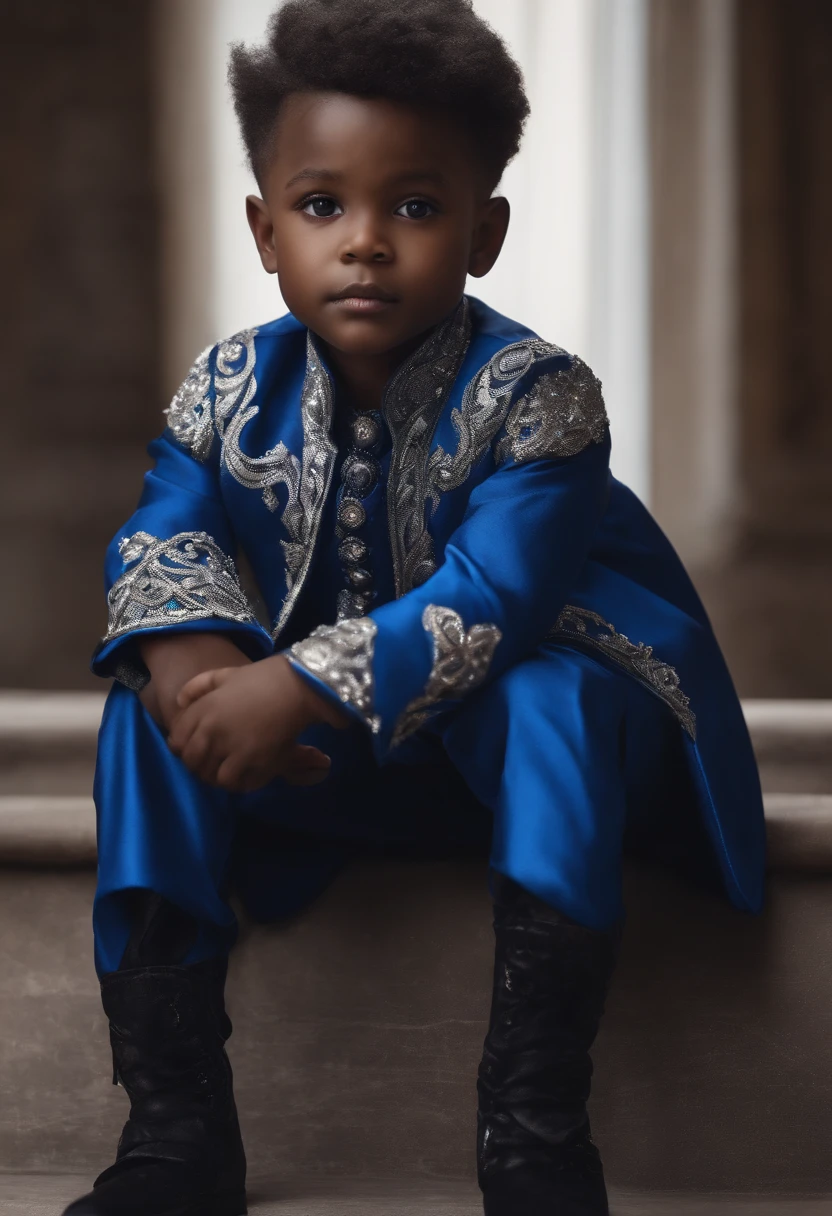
(236, 727)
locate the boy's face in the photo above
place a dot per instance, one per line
(373, 215)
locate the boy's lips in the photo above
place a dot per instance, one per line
(364, 298)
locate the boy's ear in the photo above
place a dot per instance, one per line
(262, 229)
(489, 236)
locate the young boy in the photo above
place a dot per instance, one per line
(472, 628)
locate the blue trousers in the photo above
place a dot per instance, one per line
(546, 770)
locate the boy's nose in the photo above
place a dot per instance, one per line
(365, 243)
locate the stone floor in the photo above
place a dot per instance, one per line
(45, 1195)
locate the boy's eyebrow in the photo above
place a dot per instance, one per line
(333, 175)
(315, 175)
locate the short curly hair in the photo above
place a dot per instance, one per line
(436, 53)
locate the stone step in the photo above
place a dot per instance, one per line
(53, 830)
(47, 743)
(359, 1027)
(43, 1195)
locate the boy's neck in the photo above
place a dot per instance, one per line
(365, 377)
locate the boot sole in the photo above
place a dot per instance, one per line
(220, 1205)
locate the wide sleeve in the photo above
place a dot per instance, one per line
(507, 571)
(172, 566)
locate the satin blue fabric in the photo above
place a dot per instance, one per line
(548, 786)
(561, 748)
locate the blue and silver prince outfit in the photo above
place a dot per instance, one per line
(523, 656)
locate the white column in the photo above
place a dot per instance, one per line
(213, 283)
(620, 296)
(576, 263)
(245, 294)
(694, 333)
(718, 455)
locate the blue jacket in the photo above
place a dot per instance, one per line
(505, 528)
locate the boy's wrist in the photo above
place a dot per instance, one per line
(313, 705)
(175, 658)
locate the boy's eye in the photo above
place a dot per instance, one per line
(416, 209)
(321, 207)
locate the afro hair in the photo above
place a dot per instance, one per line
(433, 53)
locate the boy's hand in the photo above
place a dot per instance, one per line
(175, 658)
(237, 726)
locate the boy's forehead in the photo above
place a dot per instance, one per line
(340, 134)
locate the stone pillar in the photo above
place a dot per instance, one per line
(785, 73)
(79, 336)
(694, 304)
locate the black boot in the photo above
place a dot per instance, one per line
(535, 1154)
(180, 1153)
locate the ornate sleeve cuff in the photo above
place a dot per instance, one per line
(461, 660)
(176, 582)
(341, 658)
(184, 578)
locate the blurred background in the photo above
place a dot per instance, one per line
(671, 225)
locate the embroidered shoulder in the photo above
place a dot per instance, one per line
(460, 664)
(341, 656)
(482, 412)
(189, 415)
(561, 414)
(205, 398)
(186, 577)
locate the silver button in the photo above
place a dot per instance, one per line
(365, 431)
(361, 475)
(351, 514)
(353, 551)
(360, 579)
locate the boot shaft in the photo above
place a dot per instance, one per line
(550, 981)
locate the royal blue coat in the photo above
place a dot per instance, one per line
(412, 564)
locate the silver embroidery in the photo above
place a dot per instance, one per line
(306, 480)
(185, 578)
(590, 629)
(233, 410)
(483, 410)
(561, 415)
(342, 657)
(460, 664)
(189, 413)
(412, 406)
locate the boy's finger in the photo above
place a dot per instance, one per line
(230, 774)
(306, 765)
(183, 727)
(198, 686)
(305, 756)
(196, 750)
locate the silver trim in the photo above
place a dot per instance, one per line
(341, 656)
(186, 577)
(562, 413)
(461, 661)
(637, 659)
(483, 410)
(412, 406)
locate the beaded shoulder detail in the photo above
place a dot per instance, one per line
(561, 414)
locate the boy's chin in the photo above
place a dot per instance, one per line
(365, 337)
